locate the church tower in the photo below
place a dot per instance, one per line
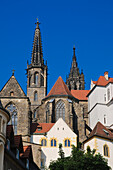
(75, 80)
(36, 73)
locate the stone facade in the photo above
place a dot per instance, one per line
(36, 73)
(75, 80)
(13, 95)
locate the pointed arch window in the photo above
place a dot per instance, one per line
(106, 150)
(13, 112)
(47, 113)
(53, 143)
(35, 96)
(60, 110)
(67, 143)
(36, 78)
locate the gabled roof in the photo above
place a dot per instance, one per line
(101, 131)
(40, 128)
(18, 142)
(80, 94)
(12, 85)
(27, 152)
(102, 81)
(59, 88)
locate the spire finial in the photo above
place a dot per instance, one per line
(13, 72)
(74, 50)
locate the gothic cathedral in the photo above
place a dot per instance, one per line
(68, 100)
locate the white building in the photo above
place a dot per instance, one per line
(50, 135)
(100, 101)
(101, 139)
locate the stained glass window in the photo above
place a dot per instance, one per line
(13, 112)
(60, 110)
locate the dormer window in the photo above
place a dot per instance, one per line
(106, 132)
(17, 153)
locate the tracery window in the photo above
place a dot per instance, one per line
(53, 143)
(60, 110)
(44, 142)
(35, 96)
(13, 112)
(67, 143)
(36, 78)
(47, 113)
(106, 150)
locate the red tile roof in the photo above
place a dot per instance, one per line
(41, 127)
(9, 131)
(80, 94)
(27, 152)
(59, 88)
(102, 81)
(18, 142)
(102, 131)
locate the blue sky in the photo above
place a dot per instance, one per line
(86, 24)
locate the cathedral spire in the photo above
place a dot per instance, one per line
(75, 80)
(37, 55)
(74, 63)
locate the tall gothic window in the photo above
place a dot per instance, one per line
(36, 78)
(35, 96)
(47, 113)
(42, 80)
(60, 110)
(13, 113)
(106, 150)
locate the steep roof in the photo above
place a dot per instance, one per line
(27, 152)
(101, 131)
(80, 94)
(102, 81)
(41, 127)
(12, 85)
(18, 142)
(59, 88)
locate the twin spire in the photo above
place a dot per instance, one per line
(37, 54)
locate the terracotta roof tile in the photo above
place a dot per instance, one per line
(18, 142)
(9, 131)
(27, 152)
(80, 94)
(102, 81)
(102, 131)
(41, 127)
(59, 88)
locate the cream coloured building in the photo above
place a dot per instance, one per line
(50, 135)
(101, 139)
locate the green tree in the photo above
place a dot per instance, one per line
(79, 160)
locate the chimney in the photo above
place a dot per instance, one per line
(106, 75)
